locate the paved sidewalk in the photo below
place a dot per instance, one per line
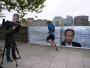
(40, 56)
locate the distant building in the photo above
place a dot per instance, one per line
(88, 23)
(64, 22)
(30, 21)
(81, 20)
(68, 21)
(38, 22)
(41, 22)
(57, 20)
(15, 17)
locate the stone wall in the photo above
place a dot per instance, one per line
(21, 36)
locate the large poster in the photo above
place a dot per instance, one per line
(82, 35)
(38, 35)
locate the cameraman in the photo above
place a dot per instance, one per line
(10, 44)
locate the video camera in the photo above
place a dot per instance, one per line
(8, 25)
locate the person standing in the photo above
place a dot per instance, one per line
(10, 44)
(51, 34)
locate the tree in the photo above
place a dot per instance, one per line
(1, 14)
(22, 6)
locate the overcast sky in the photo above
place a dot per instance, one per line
(59, 8)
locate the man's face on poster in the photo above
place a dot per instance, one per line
(69, 37)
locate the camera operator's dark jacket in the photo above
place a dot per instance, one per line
(8, 25)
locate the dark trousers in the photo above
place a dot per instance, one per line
(10, 45)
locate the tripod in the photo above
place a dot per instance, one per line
(14, 59)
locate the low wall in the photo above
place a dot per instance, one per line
(21, 36)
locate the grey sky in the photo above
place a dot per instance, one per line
(65, 7)
(59, 8)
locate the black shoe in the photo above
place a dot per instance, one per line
(9, 60)
(16, 58)
(19, 57)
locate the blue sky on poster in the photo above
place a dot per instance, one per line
(58, 8)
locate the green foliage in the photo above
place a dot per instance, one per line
(22, 6)
(2, 15)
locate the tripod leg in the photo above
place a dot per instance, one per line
(18, 52)
(14, 54)
(3, 56)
